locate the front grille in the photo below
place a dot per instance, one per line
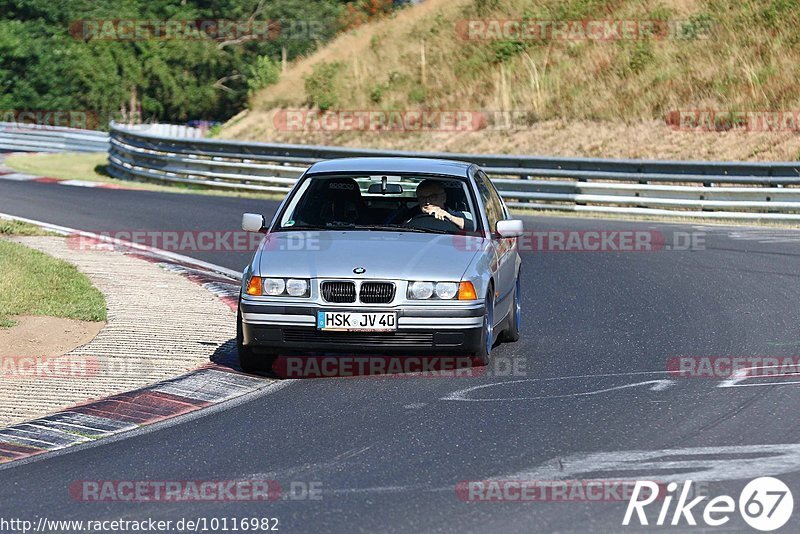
(350, 339)
(376, 292)
(339, 291)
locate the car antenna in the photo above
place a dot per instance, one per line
(383, 184)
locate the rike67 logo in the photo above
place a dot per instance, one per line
(765, 504)
(679, 491)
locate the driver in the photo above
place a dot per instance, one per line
(431, 196)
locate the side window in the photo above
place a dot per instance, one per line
(491, 200)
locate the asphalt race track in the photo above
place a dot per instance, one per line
(387, 453)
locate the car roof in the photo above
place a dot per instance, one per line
(393, 166)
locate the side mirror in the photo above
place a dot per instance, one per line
(510, 228)
(253, 222)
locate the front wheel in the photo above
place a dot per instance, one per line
(484, 352)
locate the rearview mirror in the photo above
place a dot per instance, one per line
(253, 222)
(385, 189)
(509, 228)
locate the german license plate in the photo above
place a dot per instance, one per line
(357, 321)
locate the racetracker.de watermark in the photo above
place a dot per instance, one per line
(399, 366)
(49, 119)
(197, 30)
(241, 490)
(721, 367)
(710, 120)
(596, 241)
(580, 30)
(44, 367)
(526, 491)
(194, 240)
(365, 120)
(72, 366)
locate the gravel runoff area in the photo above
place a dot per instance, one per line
(160, 325)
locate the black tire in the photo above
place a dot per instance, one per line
(511, 333)
(484, 352)
(249, 361)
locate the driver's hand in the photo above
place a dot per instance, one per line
(436, 211)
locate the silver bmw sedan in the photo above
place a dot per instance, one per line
(383, 255)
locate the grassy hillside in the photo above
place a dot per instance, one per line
(733, 55)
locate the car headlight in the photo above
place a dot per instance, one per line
(273, 286)
(446, 290)
(420, 290)
(437, 290)
(296, 287)
(441, 291)
(278, 287)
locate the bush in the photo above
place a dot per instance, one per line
(417, 95)
(376, 93)
(321, 85)
(262, 73)
(505, 50)
(698, 26)
(642, 55)
(214, 130)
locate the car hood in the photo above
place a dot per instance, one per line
(387, 255)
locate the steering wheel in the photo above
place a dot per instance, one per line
(430, 222)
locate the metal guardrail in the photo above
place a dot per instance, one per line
(21, 137)
(729, 190)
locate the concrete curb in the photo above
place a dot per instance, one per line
(126, 411)
(206, 385)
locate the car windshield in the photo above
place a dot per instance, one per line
(402, 203)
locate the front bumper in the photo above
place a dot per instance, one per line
(275, 328)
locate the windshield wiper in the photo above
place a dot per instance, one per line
(401, 228)
(326, 226)
(305, 227)
(353, 226)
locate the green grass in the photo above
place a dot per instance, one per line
(68, 166)
(8, 227)
(34, 283)
(92, 168)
